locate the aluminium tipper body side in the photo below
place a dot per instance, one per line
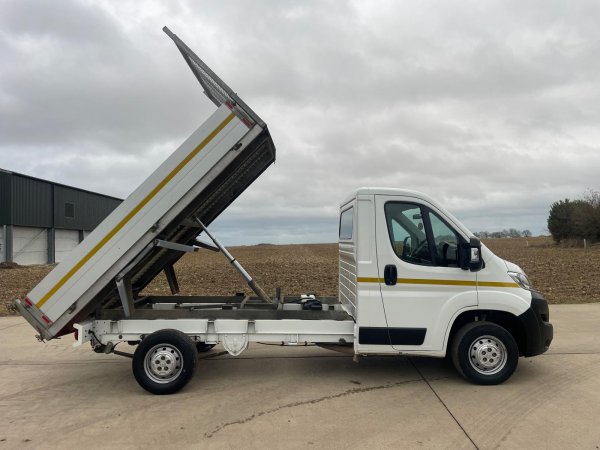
(200, 179)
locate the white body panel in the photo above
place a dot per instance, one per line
(514, 301)
(30, 245)
(64, 242)
(290, 332)
(113, 254)
(347, 268)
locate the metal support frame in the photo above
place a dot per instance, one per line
(235, 263)
(8, 243)
(172, 279)
(292, 331)
(123, 281)
(126, 294)
(175, 246)
(189, 223)
(229, 314)
(207, 245)
(51, 258)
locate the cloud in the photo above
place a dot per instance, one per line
(492, 108)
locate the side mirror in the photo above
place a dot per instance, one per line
(471, 255)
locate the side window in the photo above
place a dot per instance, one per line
(446, 241)
(420, 236)
(346, 224)
(406, 228)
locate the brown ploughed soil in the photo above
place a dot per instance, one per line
(564, 275)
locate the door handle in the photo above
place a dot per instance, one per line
(390, 275)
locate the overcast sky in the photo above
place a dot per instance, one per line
(491, 107)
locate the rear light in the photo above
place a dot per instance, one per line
(29, 304)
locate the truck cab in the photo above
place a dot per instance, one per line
(417, 282)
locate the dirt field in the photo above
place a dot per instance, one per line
(564, 275)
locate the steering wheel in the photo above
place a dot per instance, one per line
(420, 247)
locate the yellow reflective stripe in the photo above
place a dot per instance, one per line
(370, 280)
(135, 210)
(440, 282)
(497, 284)
(437, 282)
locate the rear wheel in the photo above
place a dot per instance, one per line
(164, 361)
(485, 353)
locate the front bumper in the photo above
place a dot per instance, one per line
(536, 325)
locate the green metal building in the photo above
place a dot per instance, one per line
(41, 221)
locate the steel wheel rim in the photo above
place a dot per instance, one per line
(487, 355)
(163, 363)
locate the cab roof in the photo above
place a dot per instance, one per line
(406, 193)
(386, 191)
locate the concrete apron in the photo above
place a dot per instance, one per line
(54, 396)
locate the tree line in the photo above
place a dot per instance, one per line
(576, 219)
(510, 233)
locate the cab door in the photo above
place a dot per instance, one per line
(421, 282)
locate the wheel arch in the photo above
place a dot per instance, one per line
(506, 320)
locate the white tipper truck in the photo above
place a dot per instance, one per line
(412, 279)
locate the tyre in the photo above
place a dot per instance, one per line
(484, 353)
(164, 361)
(203, 347)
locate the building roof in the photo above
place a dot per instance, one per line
(10, 172)
(33, 202)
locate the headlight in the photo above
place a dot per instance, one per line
(522, 280)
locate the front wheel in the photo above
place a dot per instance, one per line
(164, 362)
(485, 353)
